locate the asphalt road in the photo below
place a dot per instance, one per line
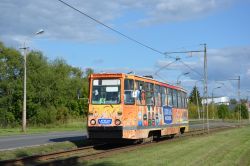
(12, 142)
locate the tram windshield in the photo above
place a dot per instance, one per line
(106, 91)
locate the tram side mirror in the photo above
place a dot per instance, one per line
(80, 96)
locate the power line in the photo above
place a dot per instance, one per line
(191, 68)
(114, 30)
(126, 36)
(156, 72)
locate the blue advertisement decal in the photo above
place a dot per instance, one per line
(167, 112)
(105, 121)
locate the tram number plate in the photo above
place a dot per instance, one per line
(105, 121)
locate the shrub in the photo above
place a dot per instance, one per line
(244, 111)
(192, 111)
(75, 108)
(223, 111)
(7, 119)
(62, 114)
(44, 116)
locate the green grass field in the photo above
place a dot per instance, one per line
(230, 147)
(73, 125)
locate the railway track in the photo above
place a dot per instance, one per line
(96, 151)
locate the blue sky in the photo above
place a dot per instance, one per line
(164, 25)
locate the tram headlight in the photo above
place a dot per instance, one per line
(92, 122)
(117, 122)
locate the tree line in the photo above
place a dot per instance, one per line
(52, 89)
(215, 111)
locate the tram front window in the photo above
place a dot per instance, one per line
(106, 91)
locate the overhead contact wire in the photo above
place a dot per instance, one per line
(114, 30)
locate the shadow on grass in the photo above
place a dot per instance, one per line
(105, 163)
(76, 162)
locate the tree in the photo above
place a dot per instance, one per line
(52, 88)
(223, 111)
(244, 111)
(192, 111)
(85, 90)
(88, 71)
(11, 71)
(233, 101)
(193, 97)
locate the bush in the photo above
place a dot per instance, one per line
(7, 119)
(44, 116)
(75, 108)
(62, 114)
(192, 111)
(244, 111)
(223, 111)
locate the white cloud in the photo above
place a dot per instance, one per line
(248, 72)
(223, 64)
(22, 18)
(229, 62)
(164, 11)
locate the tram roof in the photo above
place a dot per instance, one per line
(119, 75)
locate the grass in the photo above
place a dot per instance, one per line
(230, 147)
(73, 125)
(43, 149)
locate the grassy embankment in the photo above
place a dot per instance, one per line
(230, 147)
(42, 149)
(73, 125)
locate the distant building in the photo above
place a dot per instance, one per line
(217, 100)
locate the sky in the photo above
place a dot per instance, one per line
(164, 25)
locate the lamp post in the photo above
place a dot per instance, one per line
(25, 51)
(213, 97)
(178, 82)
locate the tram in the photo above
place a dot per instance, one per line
(127, 106)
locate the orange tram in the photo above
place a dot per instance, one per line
(126, 106)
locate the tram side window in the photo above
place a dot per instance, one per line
(170, 96)
(175, 104)
(128, 91)
(185, 99)
(140, 93)
(157, 95)
(182, 99)
(164, 95)
(149, 93)
(179, 99)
